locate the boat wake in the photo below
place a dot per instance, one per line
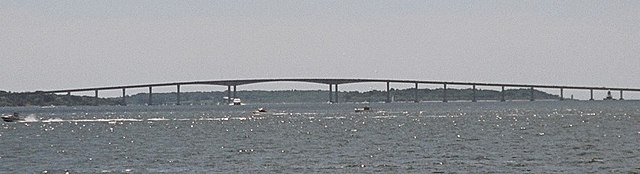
(54, 120)
(253, 116)
(30, 118)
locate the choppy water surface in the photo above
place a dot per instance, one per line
(511, 137)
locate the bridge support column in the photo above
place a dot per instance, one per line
(591, 94)
(561, 94)
(150, 102)
(228, 94)
(96, 99)
(532, 95)
(415, 94)
(444, 93)
(474, 94)
(337, 92)
(234, 91)
(621, 98)
(330, 93)
(388, 94)
(502, 99)
(178, 95)
(124, 97)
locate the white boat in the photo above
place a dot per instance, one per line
(236, 101)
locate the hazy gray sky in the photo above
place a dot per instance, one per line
(70, 44)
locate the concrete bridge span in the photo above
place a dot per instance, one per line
(334, 84)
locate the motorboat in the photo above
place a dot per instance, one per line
(259, 111)
(236, 102)
(12, 118)
(363, 109)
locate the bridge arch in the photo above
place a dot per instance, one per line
(232, 85)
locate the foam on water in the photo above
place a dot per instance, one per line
(31, 118)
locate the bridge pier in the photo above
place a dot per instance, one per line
(330, 93)
(444, 94)
(337, 92)
(502, 99)
(474, 94)
(124, 97)
(97, 99)
(234, 91)
(150, 102)
(621, 98)
(228, 94)
(532, 95)
(177, 94)
(415, 94)
(561, 94)
(388, 94)
(591, 94)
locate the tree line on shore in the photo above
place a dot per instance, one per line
(46, 99)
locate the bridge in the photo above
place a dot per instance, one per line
(333, 87)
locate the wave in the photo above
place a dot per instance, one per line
(157, 119)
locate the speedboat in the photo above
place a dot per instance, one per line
(12, 118)
(363, 109)
(259, 111)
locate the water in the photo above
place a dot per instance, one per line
(511, 137)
